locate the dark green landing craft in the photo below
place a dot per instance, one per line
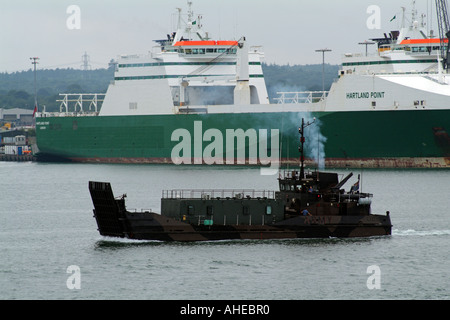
(311, 207)
(307, 205)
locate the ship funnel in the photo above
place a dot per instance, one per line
(242, 90)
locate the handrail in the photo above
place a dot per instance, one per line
(301, 97)
(222, 194)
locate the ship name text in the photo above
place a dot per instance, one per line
(365, 95)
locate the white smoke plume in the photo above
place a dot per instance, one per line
(314, 140)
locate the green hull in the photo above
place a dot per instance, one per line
(416, 138)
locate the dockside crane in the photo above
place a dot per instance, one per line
(444, 31)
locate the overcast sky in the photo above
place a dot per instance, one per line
(289, 30)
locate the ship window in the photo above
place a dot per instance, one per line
(195, 51)
(269, 210)
(201, 51)
(190, 210)
(374, 103)
(209, 210)
(210, 50)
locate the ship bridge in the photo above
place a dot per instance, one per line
(188, 72)
(413, 49)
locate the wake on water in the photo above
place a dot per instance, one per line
(111, 241)
(412, 232)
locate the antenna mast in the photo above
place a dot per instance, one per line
(301, 130)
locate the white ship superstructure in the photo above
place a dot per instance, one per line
(405, 73)
(186, 69)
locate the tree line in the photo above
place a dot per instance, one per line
(17, 88)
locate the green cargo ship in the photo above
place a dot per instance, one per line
(374, 139)
(193, 100)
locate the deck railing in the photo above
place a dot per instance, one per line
(214, 194)
(301, 97)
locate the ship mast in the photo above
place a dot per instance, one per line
(192, 28)
(190, 15)
(301, 130)
(444, 31)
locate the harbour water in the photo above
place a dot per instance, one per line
(47, 226)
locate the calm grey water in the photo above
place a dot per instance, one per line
(47, 225)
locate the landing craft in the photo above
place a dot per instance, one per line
(307, 205)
